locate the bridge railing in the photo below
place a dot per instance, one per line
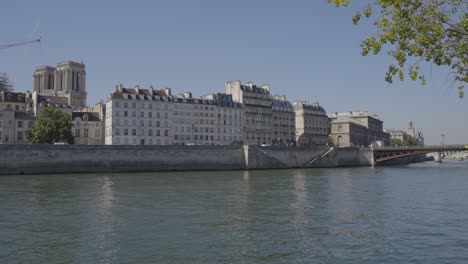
(426, 147)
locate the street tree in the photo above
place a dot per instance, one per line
(396, 142)
(411, 141)
(52, 126)
(435, 31)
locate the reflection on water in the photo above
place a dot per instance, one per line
(402, 214)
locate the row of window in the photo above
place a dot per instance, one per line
(133, 141)
(142, 114)
(19, 124)
(205, 137)
(142, 123)
(85, 134)
(133, 132)
(19, 136)
(142, 105)
(206, 129)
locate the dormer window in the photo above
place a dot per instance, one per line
(85, 117)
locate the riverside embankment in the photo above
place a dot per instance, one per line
(33, 159)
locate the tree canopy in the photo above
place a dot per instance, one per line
(396, 142)
(432, 30)
(5, 84)
(52, 126)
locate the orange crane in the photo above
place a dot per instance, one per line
(11, 45)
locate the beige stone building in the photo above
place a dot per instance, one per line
(398, 135)
(139, 116)
(17, 101)
(346, 132)
(66, 80)
(194, 120)
(156, 117)
(229, 119)
(312, 124)
(209, 120)
(13, 126)
(375, 133)
(404, 136)
(15, 117)
(283, 117)
(256, 101)
(87, 128)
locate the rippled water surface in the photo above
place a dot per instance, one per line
(406, 214)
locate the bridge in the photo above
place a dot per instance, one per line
(382, 154)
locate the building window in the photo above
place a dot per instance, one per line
(150, 132)
(20, 135)
(20, 123)
(166, 133)
(134, 132)
(125, 113)
(125, 132)
(125, 104)
(133, 105)
(85, 117)
(85, 132)
(77, 132)
(158, 133)
(150, 114)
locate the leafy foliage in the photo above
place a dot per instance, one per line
(5, 84)
(52, 126)
(396, 142)
(432, 30)
(411, 141)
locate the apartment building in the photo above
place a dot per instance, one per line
(156, 117)
(139, 116)
(373, 124)
(312, 124)
(283, 117)
(257, 104)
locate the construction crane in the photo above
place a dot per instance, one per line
(16, 44)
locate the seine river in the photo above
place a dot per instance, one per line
(403, 214)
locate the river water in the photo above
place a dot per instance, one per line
(402, 214)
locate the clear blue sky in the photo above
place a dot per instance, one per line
(308, 50)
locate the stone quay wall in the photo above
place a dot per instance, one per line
(47, 159)
(345, 157)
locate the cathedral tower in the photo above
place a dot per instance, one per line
(68, 79)
(71, 80)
